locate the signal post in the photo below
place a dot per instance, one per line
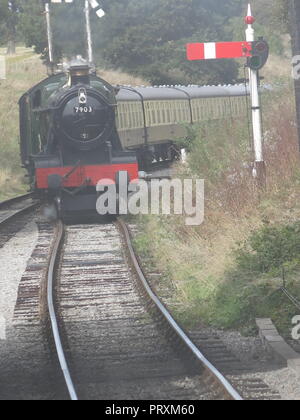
(254, 65)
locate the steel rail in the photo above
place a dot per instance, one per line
(15, 200)
(52, 313)
(219, 378)
(16, 212)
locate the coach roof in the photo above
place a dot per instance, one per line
(128, 93)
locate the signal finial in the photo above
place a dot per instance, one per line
(249, 19)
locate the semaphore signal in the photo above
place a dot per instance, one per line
(97, 8)
(93, 3)
(217, 50)
(257, 53)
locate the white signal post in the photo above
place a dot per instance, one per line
(100, 13)
(260, 167)
(49, 33)
(88, 31)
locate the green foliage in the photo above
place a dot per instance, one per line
(215, 146)
(3, 9)
(32, 25)
(238, 303)
(270, 249)
(280, 15)
(9, 18)
(68, 38)
(149, 38)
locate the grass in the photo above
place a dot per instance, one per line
(204, 264)
(24, 70)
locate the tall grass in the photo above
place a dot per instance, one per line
(23, 71)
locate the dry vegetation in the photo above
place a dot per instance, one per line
(23, 71)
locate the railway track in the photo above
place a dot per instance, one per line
(14, 214)
(14, 207)
(114, 338)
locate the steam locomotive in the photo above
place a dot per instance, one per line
(69, 141)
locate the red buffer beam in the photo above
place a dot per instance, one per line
(216, 50)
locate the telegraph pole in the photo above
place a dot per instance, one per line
(294, 13)
(260, 166)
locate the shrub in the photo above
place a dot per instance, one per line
(270, 248)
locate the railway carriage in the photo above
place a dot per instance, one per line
(149, 119)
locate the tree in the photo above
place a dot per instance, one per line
(12, 23)
(67, 27)
(3, 17)
(149, 37)
(9, 15)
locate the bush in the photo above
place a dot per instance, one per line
(270, 249)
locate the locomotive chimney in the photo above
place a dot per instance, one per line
(79, 72)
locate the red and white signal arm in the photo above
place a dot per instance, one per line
(217, 50)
